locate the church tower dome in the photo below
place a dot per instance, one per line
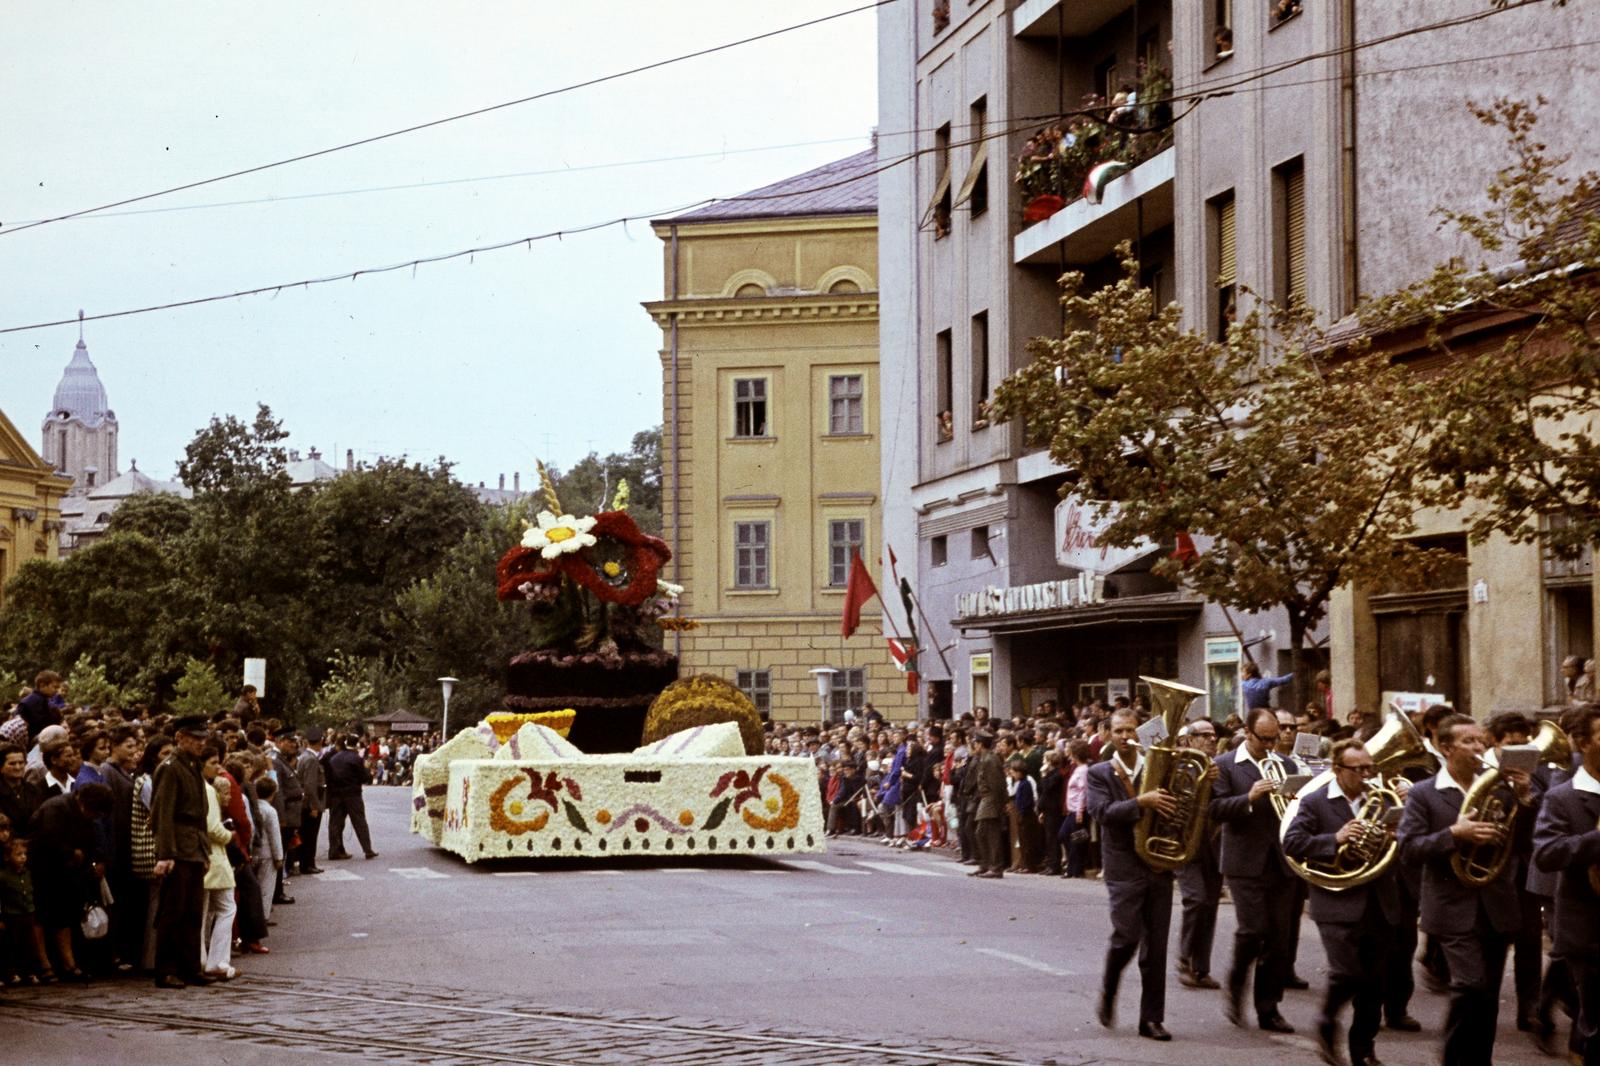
(80, 394)
(80, 432)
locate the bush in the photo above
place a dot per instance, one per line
(199, 690)
(704, 699)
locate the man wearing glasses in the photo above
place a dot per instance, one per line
(1356, 923)
(1252, 861)
(1200, 882)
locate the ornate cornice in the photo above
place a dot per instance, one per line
(744, 310)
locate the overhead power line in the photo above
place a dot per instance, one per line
(545, 95)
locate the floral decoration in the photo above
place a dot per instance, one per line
(505, 724)
(555, 535)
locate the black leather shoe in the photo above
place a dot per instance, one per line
(1296, 982)
(1275, 1023)
(1205, 980)
(341, 855)
(1234, 1008)
(1369, 1059)
(1328, 1041)
(1405, 1024)
(282, 901)
(371, 855)
(307, 871)
(1105, 1012)
(171, 980)
(1154, 1031)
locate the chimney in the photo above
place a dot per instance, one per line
(314, 455)
(480, 484)
(502, 483)
(516, 481)
(294, 455)
(349, 458)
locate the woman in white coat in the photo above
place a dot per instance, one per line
(216, 929)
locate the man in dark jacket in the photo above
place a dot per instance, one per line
(178, 822)
(989, 785)
(289, 802)
(19, 797)
(346, 774)
(128, 892)
(36, 708)
(308, 768)
(1472, 925)
(1357, 923)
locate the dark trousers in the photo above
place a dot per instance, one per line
(132, 895)
(1477, 964)
(1585, 974)
(1399, 976)
(1141, 916)
(1297, 913)
(966, 832)
(288, 833)
(1527, 946)
(354, 808)
(1262, 906)
(310, 827)
(1051, 842)
(250, 920)
(1356, 952)
(1200, 884)
(1077, 850)
(183, 899)
(991, 845)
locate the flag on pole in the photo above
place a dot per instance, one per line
(1185, 552)
(904, 654)
(857, 592)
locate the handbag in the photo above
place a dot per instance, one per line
(96, 922)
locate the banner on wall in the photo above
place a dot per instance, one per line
(1078, 543)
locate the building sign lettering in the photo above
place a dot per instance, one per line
(1078, 543)
(1080, 591)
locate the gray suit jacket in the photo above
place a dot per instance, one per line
(1448, 906)
(308, 768)
(1118, 813)
(1565, 839)
(1312, 835)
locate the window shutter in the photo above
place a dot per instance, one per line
(1296, 244)
(980, 156)
(1226, 269)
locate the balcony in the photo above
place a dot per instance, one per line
(1091, 230)
(1071, 18)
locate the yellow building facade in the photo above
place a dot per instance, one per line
(770, 441)
(30, 504)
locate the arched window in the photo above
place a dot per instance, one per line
(752, 289)
(844, 285)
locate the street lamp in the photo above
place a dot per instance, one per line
(449, 685)
(824, 677)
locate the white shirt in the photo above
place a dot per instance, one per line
(65, 784)
(1261, 765)
(1584, 781)
(1335, 792)
(1134, 770)
(1442, 780)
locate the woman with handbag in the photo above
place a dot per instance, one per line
(67, 868)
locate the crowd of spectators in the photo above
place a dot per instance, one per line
(912, 786)
(142, 843)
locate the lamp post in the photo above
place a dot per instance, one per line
(448, 684)
(824, 678)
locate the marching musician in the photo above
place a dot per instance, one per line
(1252, 862)
(1527, 947)
(1356, 923)
(1472, 925)
(1199, 881)
(1141, 898)
(1566, 841)
(1288, 733)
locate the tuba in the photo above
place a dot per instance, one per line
(1395, 746)
(1167, 843)
(1478, 864)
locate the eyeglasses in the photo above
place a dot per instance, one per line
(1365, 769)
(1273, 739)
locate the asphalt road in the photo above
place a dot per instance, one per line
(862, 955)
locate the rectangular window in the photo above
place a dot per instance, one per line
(939, 550)
(849, 691)
(1227, 263)
(975, 189)
(1221, 29)
(939, 207)
(749, 407)
(980, 544)
(845, 393)
(980, 370)
(1150, 50)
(757, 684)
(1105, 78)
(945, 384)
(752, 558)
(846, 536)
(1289, 196)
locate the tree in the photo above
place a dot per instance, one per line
(346, 696)
(588, 487)
(88, 686)
(1303, 471)
(1516, 425)
(199, 690)
(228, 455)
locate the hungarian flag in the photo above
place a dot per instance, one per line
(857, 592)
(904, 654)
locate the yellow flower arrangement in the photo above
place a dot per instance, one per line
(505, 724)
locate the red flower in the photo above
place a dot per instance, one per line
(520, 566)
(642, 557)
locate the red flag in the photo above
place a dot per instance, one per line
(1186, 553)
(857, 592)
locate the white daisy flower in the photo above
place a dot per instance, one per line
(557, 535)
(668, 589)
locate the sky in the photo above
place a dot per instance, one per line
(536, 352)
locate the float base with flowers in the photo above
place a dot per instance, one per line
(694, 793)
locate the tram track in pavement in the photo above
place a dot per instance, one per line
(433, 1025)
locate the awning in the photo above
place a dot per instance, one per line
(940, 191)
(980, 158)
(1158, 607)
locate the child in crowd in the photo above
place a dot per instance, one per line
(268, 857)
(26, 958)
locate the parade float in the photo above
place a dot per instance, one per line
(601, 751)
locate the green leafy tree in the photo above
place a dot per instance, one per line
(346, 696)
(199, 690)
(10, 686)
(88, 685)
(161, 516)
(591, 483)
(1302, 472)
(1516, 422)
(229, 456)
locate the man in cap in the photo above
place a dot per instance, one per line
(989, 786)
(289, 801)
(308, 768)
(178, 822)
(346, 774)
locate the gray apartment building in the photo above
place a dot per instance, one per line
(1303, 151)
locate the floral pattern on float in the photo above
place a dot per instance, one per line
(605, 806)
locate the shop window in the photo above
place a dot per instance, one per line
(757, 684)
(845, 410)
(849, 691)
(752, 555)
(978, 668)
(750, 407)
(845, 538)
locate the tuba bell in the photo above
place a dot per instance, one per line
(1167, 843)
(1395, 746)
(1478, 864)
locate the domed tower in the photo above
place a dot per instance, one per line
(80, 432)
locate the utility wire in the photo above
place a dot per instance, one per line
(602, 79)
